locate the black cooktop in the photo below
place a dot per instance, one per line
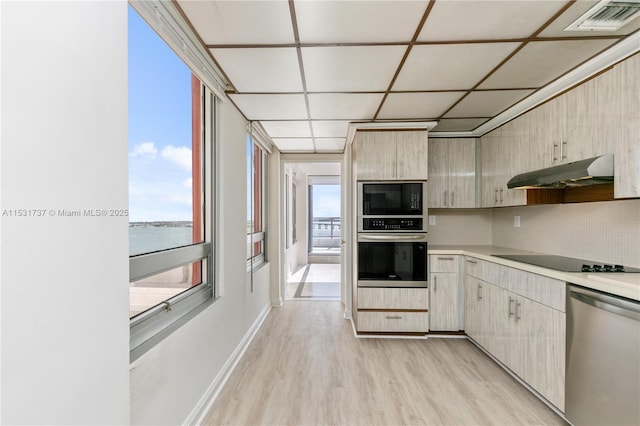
(566, 264)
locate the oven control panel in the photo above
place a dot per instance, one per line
(392, 224)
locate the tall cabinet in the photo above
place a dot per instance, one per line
(391, 154)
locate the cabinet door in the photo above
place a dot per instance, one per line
(472, 307)
(412, 155)
(461, 157)
(489, 151)
(438, 173)
(375, 155)
(443, 302)
(542, 331)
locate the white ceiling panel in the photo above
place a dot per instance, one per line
(330, 129)
(540, 62)
(486, 20)
(240, 22)
(418, 105)
(352, 68)
(556, 29)
(294, 144)
(330, 144)
(358, 21)
(487, 104)
(287, 129)
(450, 66)
(458, 124)
(261, 70)
(271, 106)
(344, 106)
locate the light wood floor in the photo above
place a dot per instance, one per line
(305, 367)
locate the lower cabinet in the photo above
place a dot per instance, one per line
(392, 310)
(444, 300)
(528, 337)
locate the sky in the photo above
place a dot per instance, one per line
(326, 200)
(159, 128)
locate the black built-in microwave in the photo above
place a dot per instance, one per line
(392, 206)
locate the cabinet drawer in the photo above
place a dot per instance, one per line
(443, 263)
(393, 298)
(392, 321)
(474, 267)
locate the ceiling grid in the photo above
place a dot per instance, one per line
(305, 69)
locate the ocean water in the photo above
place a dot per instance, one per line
(149, 238)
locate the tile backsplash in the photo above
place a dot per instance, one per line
(606, 231)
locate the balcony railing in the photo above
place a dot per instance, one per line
(325, 232)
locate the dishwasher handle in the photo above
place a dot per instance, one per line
(612, 304)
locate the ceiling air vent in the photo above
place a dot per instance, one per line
(607, 15)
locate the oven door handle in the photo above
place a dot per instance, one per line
(396, 237)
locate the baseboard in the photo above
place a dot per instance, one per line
(197, 415)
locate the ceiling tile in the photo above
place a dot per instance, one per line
(540, 62)
(487, 104)
(261, 70)
(486, 20)
(294, 144)
(240, 22)
(330, 129)
(417, 105)
(458, 124)
(450, 66)
(358, 21)
(556, 29)
(344, 106)
(287, 129)
(330, 144)
(271, 106)
(352, 68)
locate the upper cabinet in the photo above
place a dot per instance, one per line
(601, 116)
(391, 155)
(452, 173)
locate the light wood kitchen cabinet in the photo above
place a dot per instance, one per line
(527, 336)
(397, 310)
(444, 300)
(452, 173)
(501, 160)
(391, 155)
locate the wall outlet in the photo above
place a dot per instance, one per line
(516, 221)
(432, 220)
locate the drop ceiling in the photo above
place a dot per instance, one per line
(305, 70)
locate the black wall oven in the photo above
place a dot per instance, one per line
(392, 206)
(392, 260)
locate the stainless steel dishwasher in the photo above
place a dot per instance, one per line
(603, 359)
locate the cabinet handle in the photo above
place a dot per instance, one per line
(394, 317)
(501, 194)
(511, 300)
(554, 145)
(446, 258)
(451, 198)
(479, 291)
(472, 261)
(562, 144)
(518, 317)
(445, 198)
(496, 199)
(435, 284)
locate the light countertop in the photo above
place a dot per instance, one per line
(620, 284)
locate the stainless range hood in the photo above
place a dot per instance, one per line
(591, 171)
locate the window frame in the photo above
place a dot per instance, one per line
(154, 324)
(260, 236)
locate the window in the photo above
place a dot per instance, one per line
(171, 119)
(256, 184)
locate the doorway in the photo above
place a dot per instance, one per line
(313, 231)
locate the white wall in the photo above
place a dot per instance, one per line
(168, 382)
(607, 231)
(64, 303)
